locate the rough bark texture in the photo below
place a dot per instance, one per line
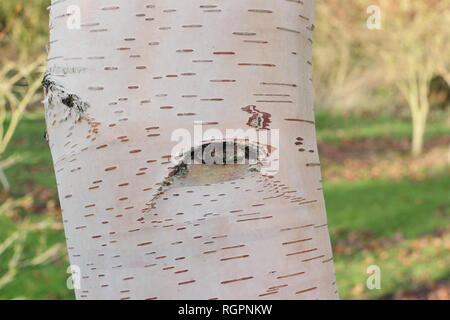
(140, 227)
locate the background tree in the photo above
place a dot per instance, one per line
(19, 84)
(20, 75)
(343, 76)
(414, 35)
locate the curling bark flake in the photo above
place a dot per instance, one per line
(56, 95)
(141, 226)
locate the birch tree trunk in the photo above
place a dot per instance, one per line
(141, 89)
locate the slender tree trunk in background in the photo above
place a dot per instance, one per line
(419, 125)
(143, 223)
(416, 94)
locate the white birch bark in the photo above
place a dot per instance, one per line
(119, 87)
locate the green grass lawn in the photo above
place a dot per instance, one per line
(333, 128)
(413, 209)
(385, 207)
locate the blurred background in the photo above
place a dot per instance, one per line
(383, 121)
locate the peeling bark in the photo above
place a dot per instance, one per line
(56, 94)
